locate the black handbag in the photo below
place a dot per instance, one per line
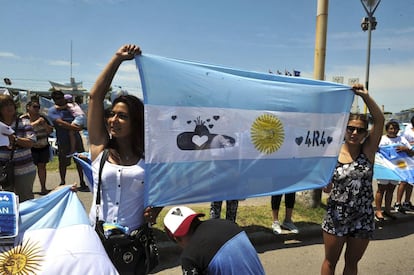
(7, 174)
(134, 253)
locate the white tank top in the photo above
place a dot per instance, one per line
(122, 197)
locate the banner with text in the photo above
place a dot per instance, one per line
(215, 133)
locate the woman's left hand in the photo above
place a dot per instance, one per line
(359, 90)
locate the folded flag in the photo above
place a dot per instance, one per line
(55, 237)
(215, 133)
(393, 165)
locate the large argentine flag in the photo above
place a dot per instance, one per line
(393, 165)
(215, 133)
(55, 237)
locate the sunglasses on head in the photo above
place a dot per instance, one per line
(351, 129)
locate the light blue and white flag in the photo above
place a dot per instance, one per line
(55, 237)
(84, 160)
(214, 133)
(393, 165)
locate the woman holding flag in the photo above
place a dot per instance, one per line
(120, 131)
(350, 216)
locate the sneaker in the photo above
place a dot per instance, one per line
(276, 228)
(399, 208)
(83, 189)
(290, 226)
(408, 206)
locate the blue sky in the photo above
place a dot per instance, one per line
(255, 35)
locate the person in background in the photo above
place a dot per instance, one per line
(289, 205)
(21, 142)
(231, 209)
(407, 205)
(349, 217)
(62, 121)
(120, 131)
(214, 246)
(41, 148)
(79, 119)
(384, 185)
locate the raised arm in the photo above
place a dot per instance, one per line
(98, 135)
(375, 133)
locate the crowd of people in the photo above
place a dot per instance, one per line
(119, 130)
(29, 148)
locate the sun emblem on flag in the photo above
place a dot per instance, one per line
(267, 133)
(401, 164)
(24, 258)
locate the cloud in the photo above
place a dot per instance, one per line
(8, 55)
(61, 63)
(390, 84)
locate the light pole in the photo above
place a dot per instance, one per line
(369, 23)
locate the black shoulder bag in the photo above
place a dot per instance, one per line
(7, 168)
(136, 253)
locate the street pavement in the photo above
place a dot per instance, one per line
(294, 253)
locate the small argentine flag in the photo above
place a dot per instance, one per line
(55, 237)
(215, 133)
(393, 165)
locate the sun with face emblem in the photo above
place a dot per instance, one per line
(23, 259)
(267, 133)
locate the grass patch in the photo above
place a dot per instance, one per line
(54, 165)
(255, 218)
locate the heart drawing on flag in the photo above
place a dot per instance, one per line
(299, 140)
(199, 141)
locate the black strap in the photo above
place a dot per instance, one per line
(105, 155)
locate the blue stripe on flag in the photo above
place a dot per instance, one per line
(195, 84)
(194, 182)
(50, 211)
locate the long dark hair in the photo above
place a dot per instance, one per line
(136, 116)
(6, 100)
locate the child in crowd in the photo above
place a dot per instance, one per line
(79, 119)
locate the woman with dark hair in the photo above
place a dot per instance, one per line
(120, 131)
(41, 148)
(20, 143)
(349, 217)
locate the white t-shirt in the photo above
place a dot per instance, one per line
(122, 194)
(400, 140)
(409, 135)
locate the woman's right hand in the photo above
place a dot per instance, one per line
(128, 52)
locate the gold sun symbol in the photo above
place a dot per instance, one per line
(402, 164)
(22, 259)
(267, 133)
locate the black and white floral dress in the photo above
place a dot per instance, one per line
(349, 209)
